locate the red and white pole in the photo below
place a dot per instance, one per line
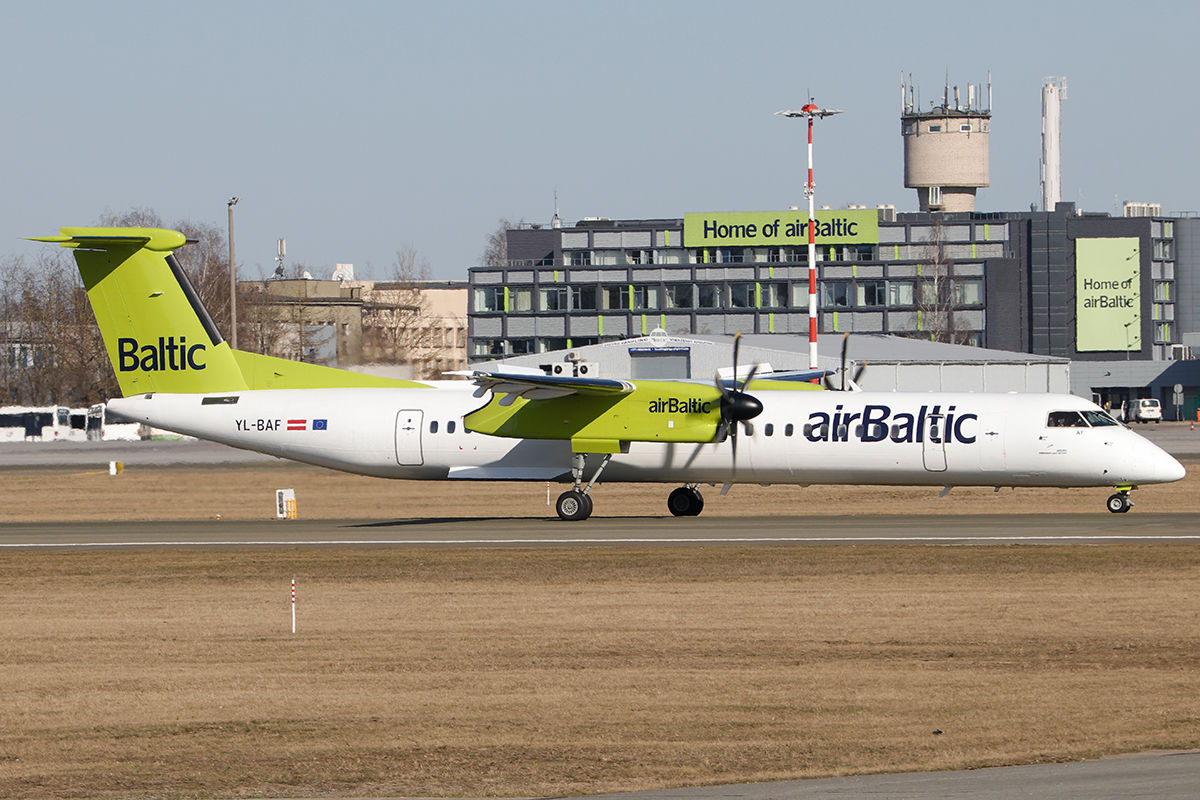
(812, 249)
(293, 605)
(811, 111)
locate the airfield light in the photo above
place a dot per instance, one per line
(811, 111)
(233, 342)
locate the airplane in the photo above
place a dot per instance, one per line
(176, 372)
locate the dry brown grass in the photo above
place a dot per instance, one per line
(541, 672)
(248, 492)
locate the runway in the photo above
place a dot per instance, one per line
(922, 530)
(1163, 776)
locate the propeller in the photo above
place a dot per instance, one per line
(736, 405)
(858, 373)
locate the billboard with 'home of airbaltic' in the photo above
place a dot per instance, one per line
(780, 228)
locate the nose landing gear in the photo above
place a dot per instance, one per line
(1120, 503)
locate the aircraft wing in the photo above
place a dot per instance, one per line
(546, 387)
(795, 376)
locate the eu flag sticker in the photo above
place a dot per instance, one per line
(320, 425)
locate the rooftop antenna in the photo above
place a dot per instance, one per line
(557, 222)
(280, 254)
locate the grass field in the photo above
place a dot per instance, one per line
(535, 672)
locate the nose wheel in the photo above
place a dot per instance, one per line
(1120, 503)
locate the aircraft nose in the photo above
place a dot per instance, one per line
(1159, 466)
(1172, 469)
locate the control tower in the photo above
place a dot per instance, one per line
(946, 147)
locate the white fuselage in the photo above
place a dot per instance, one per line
(801, 437)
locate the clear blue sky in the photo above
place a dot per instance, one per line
(357, 128)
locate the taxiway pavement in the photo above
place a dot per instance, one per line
(1009, 529)
(1163, 776)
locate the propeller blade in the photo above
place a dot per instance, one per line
(845, 347)
(733, 440)
(858, 373)
(737, 341)
(749, 377)
(721, 385)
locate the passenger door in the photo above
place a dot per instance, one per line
(408, 438)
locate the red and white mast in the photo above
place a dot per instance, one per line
(810, 112)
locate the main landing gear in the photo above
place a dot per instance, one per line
(686, 501)
(576, 504)
(1120, 503)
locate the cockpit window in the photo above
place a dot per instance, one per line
(1065, 419)
(1098, 419)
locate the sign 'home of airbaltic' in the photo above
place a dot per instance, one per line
(776, 228)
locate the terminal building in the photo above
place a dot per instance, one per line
(1117, 296)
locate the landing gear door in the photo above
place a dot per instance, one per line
(934, 452)
(408, 438)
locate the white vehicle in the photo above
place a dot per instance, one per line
(1145, 410)
(176, 372)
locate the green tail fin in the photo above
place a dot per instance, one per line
(158, 334)
(159, 337)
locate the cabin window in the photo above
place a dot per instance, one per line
(817, 432)
(450, 426)
(433, 426)
(749, 428)
(788, 429)
(769, 429)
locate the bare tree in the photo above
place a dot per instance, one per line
(937, 291)
(53, 350)
(397, 325)
(495, 252)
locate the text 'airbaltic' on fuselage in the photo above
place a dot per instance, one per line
(877, 423)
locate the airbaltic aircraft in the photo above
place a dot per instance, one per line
(176, 372)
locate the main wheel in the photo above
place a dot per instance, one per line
(1119, 503)
(573, 505)
(685, 502)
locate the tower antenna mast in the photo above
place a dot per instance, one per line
(811, 111)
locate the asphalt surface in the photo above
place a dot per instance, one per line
(925, 529)
(1164, 776)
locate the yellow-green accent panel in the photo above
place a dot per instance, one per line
(1108, 294)
(655, 411)
(767, 228)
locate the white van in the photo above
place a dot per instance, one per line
(1145, 409)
